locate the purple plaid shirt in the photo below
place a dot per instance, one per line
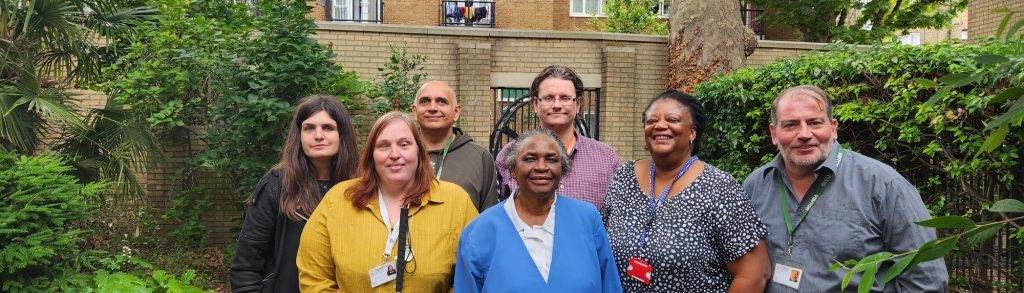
(593, 166)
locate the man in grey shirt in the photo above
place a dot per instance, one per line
(840, 204)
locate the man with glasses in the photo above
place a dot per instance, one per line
(556, 95)
(453, 155)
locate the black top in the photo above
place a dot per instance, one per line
(267, 245)
(695, 233)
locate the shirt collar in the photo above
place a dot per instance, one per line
(778, 164)
(549, 222)
(580, 143)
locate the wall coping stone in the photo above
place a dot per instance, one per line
(485, 32)
(532, 34)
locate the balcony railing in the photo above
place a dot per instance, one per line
(467, 13)
(371, 11)
(752, 19)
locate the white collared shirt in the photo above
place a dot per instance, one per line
(539, 240)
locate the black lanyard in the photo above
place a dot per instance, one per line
(818, 188)
(403, 230)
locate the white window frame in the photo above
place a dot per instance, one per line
(582, 10)
(963, 35)
(663, 6)
(343, 9)
(912, 39)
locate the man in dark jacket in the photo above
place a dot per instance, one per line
(452, 154)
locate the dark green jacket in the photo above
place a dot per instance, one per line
(471, 167)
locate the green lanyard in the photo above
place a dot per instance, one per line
(444, 154)
(818, 189)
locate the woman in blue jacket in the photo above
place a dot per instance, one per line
(536, 241)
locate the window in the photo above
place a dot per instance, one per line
(963, 35)
(661, 8)
(913, 39)
(356, 10)
(586, 7)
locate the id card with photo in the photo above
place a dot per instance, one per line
(787, 273)
(385, 272)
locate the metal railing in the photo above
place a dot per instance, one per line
(369, 11)
(468, 13)
(513, 114)
(752, 19)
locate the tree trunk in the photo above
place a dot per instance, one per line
(706, 38)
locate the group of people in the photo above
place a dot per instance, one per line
(419, 210)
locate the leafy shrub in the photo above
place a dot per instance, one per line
(186, 208)
(883, 114)
(211, 70)
(400, 79)
(39, 207)
(631, 17)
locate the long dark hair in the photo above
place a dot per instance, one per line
(300, 191)
(362, 192)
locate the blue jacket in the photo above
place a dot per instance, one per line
(493, 258)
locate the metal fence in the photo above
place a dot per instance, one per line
(513, 113)
(752, 19)
(468, 13)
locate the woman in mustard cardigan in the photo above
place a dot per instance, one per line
(355, 240)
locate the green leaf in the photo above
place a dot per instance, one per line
(1013, 115)
(936, 97)
(897, 269)
(1008, 94)
(994, 140)
(835, 266)
(934, 249)
(867, 279)
(953, 78)
(1003, 22)
(846, 280)
(926, 83)
(1007, 206)
(983, 233)
(1014, 29)
(991, 59)
(948, 222)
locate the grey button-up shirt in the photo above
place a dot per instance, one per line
(867, 208)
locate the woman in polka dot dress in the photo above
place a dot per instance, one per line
(690, 230)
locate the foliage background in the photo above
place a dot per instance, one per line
(879, 106)
(858, 21)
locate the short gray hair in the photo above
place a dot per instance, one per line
(807, 90)
(517, 145)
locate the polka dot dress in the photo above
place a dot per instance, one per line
(693, 236)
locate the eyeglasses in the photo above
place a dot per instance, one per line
(550, 100)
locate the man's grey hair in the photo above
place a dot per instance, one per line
(517, 145)
(807, 90)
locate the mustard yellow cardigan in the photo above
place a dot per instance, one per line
(341, 242)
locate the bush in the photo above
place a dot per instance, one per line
(40, 204)
(882, 114)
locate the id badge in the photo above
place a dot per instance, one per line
(787, 272)
(385, 272)
(640, 270)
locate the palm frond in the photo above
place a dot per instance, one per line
(114, 148)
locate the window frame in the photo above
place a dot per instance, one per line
(572, 9)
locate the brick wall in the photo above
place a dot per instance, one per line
(628, 68)
(983, 22)
(419, 12)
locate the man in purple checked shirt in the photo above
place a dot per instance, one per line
(556, 95)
